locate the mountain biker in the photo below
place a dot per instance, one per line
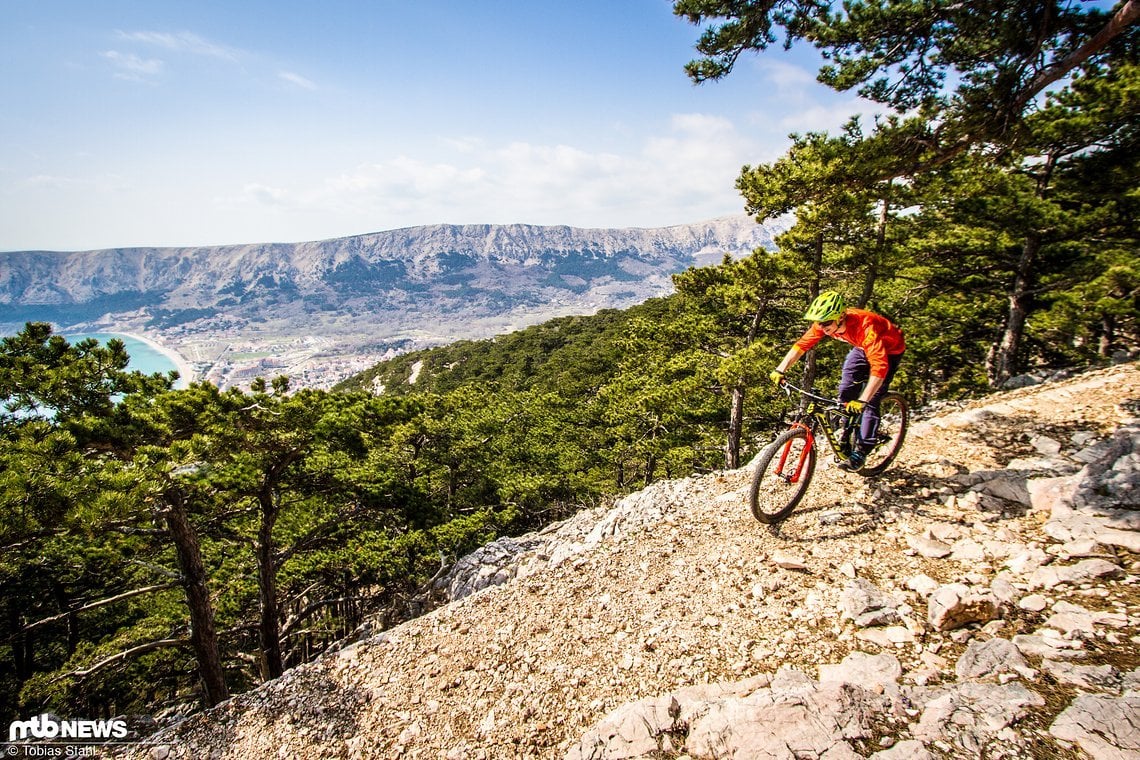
(868, 369)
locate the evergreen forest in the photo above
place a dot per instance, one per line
(162, 549)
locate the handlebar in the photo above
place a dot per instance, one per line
(832, 403)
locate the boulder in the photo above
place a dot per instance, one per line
(956, 605)
(867, 605)
(1103, 726)
(989, 658)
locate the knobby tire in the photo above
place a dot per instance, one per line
(771, 496)
(895, 415)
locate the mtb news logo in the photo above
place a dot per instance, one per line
(50, 727)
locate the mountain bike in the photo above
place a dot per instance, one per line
(785, 467)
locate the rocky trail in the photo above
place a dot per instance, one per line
(979, 599)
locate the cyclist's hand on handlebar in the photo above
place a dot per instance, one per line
(854, 407)
(777, 377)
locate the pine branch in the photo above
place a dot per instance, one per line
(124, 655)
(1128, 14)
(100, 603)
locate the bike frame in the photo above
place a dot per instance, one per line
(817, 413)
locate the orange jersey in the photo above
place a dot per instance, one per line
(875, 334)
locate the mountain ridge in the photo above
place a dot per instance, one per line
(50, 277)
(360, 297)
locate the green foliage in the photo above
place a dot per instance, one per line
(569, 354)
(347, 501)
(970, 70)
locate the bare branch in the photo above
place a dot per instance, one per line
(124, 655)
(307, 612)
(101, 603)
(1127, 15)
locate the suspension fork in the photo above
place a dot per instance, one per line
(798, 469)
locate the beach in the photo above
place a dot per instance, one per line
(185, 369)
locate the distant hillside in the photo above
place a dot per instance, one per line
(560, 353)
(442, 281)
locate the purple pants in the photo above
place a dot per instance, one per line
(856, 371)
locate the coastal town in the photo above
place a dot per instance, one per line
(308, 361)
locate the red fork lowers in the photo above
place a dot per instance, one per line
(795, 476)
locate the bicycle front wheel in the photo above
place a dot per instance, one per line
(894, 416)
(783, 473)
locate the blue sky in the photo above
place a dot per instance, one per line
(160, 123)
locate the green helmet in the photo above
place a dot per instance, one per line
(828, 306)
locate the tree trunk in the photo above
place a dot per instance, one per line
(736, 407)
(64, 602)
(808, 378)
(650, 469)
(270, 632)
(269, 626)
(22, 647)
(1001, 364)
(872, 274)
(650, 456)
(1003, 355)
(452, 482)
(1107, 335)
(816, 268)
(203, 636)
(735, 427)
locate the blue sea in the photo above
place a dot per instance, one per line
(143, 357)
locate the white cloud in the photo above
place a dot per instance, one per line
(700, 159)
(695, 141)
(265, 196)
(297, 79)
(55, 182)
(806, 105)
(463, 144)
(826, 118)
(403, 183)
(787, 78)
(133, 68)
(183, 42)
(684, 175)
(136, 68)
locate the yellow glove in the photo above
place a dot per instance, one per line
(777, 377)
(854, 407)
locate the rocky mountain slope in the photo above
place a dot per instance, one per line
(380, 284)
(980, 599)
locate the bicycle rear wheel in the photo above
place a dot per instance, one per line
(894, 415)
(783, 472)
